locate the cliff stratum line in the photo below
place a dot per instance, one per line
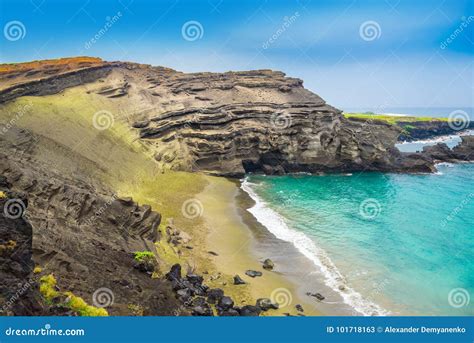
(99, 155)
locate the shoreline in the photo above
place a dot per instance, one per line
(234, 236)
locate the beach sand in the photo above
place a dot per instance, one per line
(232, 233)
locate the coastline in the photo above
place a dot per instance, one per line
(236, 237)
(310, 268)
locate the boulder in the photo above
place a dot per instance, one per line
(238, 280)
(214, 295)
(249, 311)
(225, 303)
(268, 264)
(174, 273)
(253, 273)
(266, 304)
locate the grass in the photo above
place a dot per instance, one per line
(75, 303)
(392, 119)
(143, 256)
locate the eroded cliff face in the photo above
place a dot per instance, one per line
(227, 123)
(78, 230)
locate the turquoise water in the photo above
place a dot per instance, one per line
(402, 242)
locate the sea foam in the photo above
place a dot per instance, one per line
(277, 225)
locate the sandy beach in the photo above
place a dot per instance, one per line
(234, 235)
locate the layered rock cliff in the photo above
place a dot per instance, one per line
(228, 123)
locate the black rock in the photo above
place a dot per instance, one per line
(185, 292)
(268, 264)
(249, 311)
(199, 301)
(253, 273)
(225, 303)
(202, 310)
(299, 308)
(238, 280)
(230, 313)
(214, 295)
(266, 304)
(213, 253)
(318, 296)
(196, 280)
(174, 273)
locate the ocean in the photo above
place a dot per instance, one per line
(393, 244)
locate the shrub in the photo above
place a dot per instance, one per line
(143, 256)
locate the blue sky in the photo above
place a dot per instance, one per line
(402, 59)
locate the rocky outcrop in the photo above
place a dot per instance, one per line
(463, 152)
(233, 123)
(18, 286)
(83, 233)
(49, 77)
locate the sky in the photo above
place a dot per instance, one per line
(353, 53)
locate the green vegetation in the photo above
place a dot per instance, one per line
(47, 287)
(75, 303)
(391, 119)
(143, 256)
